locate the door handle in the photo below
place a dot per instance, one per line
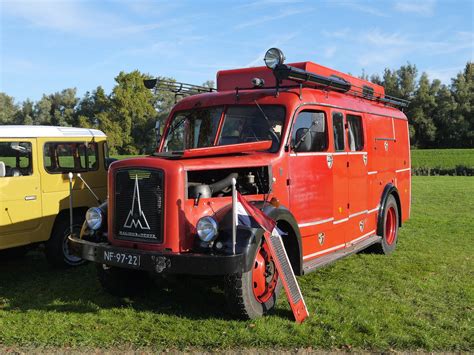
(30, 198)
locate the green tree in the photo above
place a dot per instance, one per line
(42, 111)
(133, 108)
(8, 109)
(463, 117)
(423, 107)
(25, 115)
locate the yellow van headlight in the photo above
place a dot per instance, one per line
(94, 218)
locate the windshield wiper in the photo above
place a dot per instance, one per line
(270, 128)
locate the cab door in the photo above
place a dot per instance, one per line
(310, 179)
(20, 193)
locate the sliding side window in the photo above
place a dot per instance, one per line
(338, 129)
(355, 133)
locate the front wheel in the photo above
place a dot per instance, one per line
(57, 247)
(254, 293)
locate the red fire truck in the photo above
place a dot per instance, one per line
(325, 154)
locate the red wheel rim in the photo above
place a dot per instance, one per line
(264, 274)
(391, 226)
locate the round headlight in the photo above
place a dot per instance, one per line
(273, 57)
(94, 218)
(207, 229)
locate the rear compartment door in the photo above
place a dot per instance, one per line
(357, 177)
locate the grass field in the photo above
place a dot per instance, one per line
(419, 298)
(442, 158)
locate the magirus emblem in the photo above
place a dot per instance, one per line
(136, 218)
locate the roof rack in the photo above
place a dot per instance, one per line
(176, 87)
(333, 82)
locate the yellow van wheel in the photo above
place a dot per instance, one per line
(57, 247)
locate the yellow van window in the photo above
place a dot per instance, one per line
(17, 158)
(64, 157)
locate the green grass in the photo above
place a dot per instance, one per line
(419, 298)
(442, 158)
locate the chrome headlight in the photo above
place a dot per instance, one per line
(273, 57)
(94, 218)
(207, 229)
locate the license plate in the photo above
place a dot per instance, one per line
(125, 259)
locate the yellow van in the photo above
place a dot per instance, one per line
(35, 162)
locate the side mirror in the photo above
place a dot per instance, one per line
(2, 169)
(303, 140)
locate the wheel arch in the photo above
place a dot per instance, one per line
(292, 240)
(64, 214)
(389, 189)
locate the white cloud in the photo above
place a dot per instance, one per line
(444, 74)
(76, 17)
(419, 7)
(340, 34)
(268, 18)
(329, 52)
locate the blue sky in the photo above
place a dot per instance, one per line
(46, 46)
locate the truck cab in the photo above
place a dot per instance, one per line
(324, 154)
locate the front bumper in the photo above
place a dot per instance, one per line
(157, 262)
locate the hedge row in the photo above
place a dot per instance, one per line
(459, 170)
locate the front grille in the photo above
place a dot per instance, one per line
(138, 205)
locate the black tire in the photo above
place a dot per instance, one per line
(57, 247)
(240, 297)
(389, 236)
(122, 282)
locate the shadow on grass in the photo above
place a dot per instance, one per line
(29, 283)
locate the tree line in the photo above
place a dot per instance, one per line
(440, 115)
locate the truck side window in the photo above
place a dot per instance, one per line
(310, 132)
(67, 157)
(338, 127)
(17, 158)
(355, 134)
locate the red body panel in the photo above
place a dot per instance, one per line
(334, 204)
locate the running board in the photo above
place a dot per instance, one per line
(322, 261)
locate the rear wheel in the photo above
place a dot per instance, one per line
(122, 282)
(390, 228)
(254, 293)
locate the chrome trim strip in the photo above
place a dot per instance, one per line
(308, 224)
(357, 214)
(373, 210)
(340, 221)
(372, 172)
(400, 170)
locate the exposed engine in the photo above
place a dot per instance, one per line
(218, 183)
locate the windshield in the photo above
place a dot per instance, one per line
(198, 128)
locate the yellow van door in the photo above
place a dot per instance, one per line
(20, 193)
